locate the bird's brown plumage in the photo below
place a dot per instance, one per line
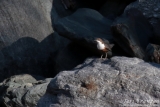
(106, 48)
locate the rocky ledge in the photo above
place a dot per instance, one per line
(50, 58)
(119, 81)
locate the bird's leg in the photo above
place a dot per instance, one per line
(106, 55)
(101, 56)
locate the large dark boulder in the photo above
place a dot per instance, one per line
(149, 8)
(156, 37)
(113, 8)
(84, 26)
(132, 32)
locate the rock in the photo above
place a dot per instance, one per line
(76, 4)
(149, 8)
(105, 83)
(69, 4)
(69, 57)
(27, 38)
(132, 32)
(92, 4)
(22, 90)
(153, 53)
(84, 26)
(24, 19)
(59, 11)
(114, 8)
(156, 37)
(27, 55)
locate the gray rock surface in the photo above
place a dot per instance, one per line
(27, 55)
(150, 9)
(26, 37)
(22, 90)
(120, 81)
(24, 19)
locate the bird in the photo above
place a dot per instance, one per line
(102, 46)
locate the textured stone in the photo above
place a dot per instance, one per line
(24, 19)
(84, 26)
(120, 81)
(22, 90)
(153, 53)
(150, 9)
(23, 27)
(132, 32)
(27, 39)
(27, 55)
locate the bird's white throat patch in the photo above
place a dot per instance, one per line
(100, 45)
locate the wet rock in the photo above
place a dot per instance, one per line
(22, 90)
(109, 83)
(114, 8)
(149, 8)
(132, 32)
(153, 53)
(84, 26)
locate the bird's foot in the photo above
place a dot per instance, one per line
(103, 58)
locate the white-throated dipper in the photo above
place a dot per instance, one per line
(103, 47)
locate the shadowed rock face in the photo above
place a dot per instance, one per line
(84, 26)
(23, 25)
(114, 8)
(26, 37)
(27, 55)
(156, 37)
(105, 83)
(132, 32)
